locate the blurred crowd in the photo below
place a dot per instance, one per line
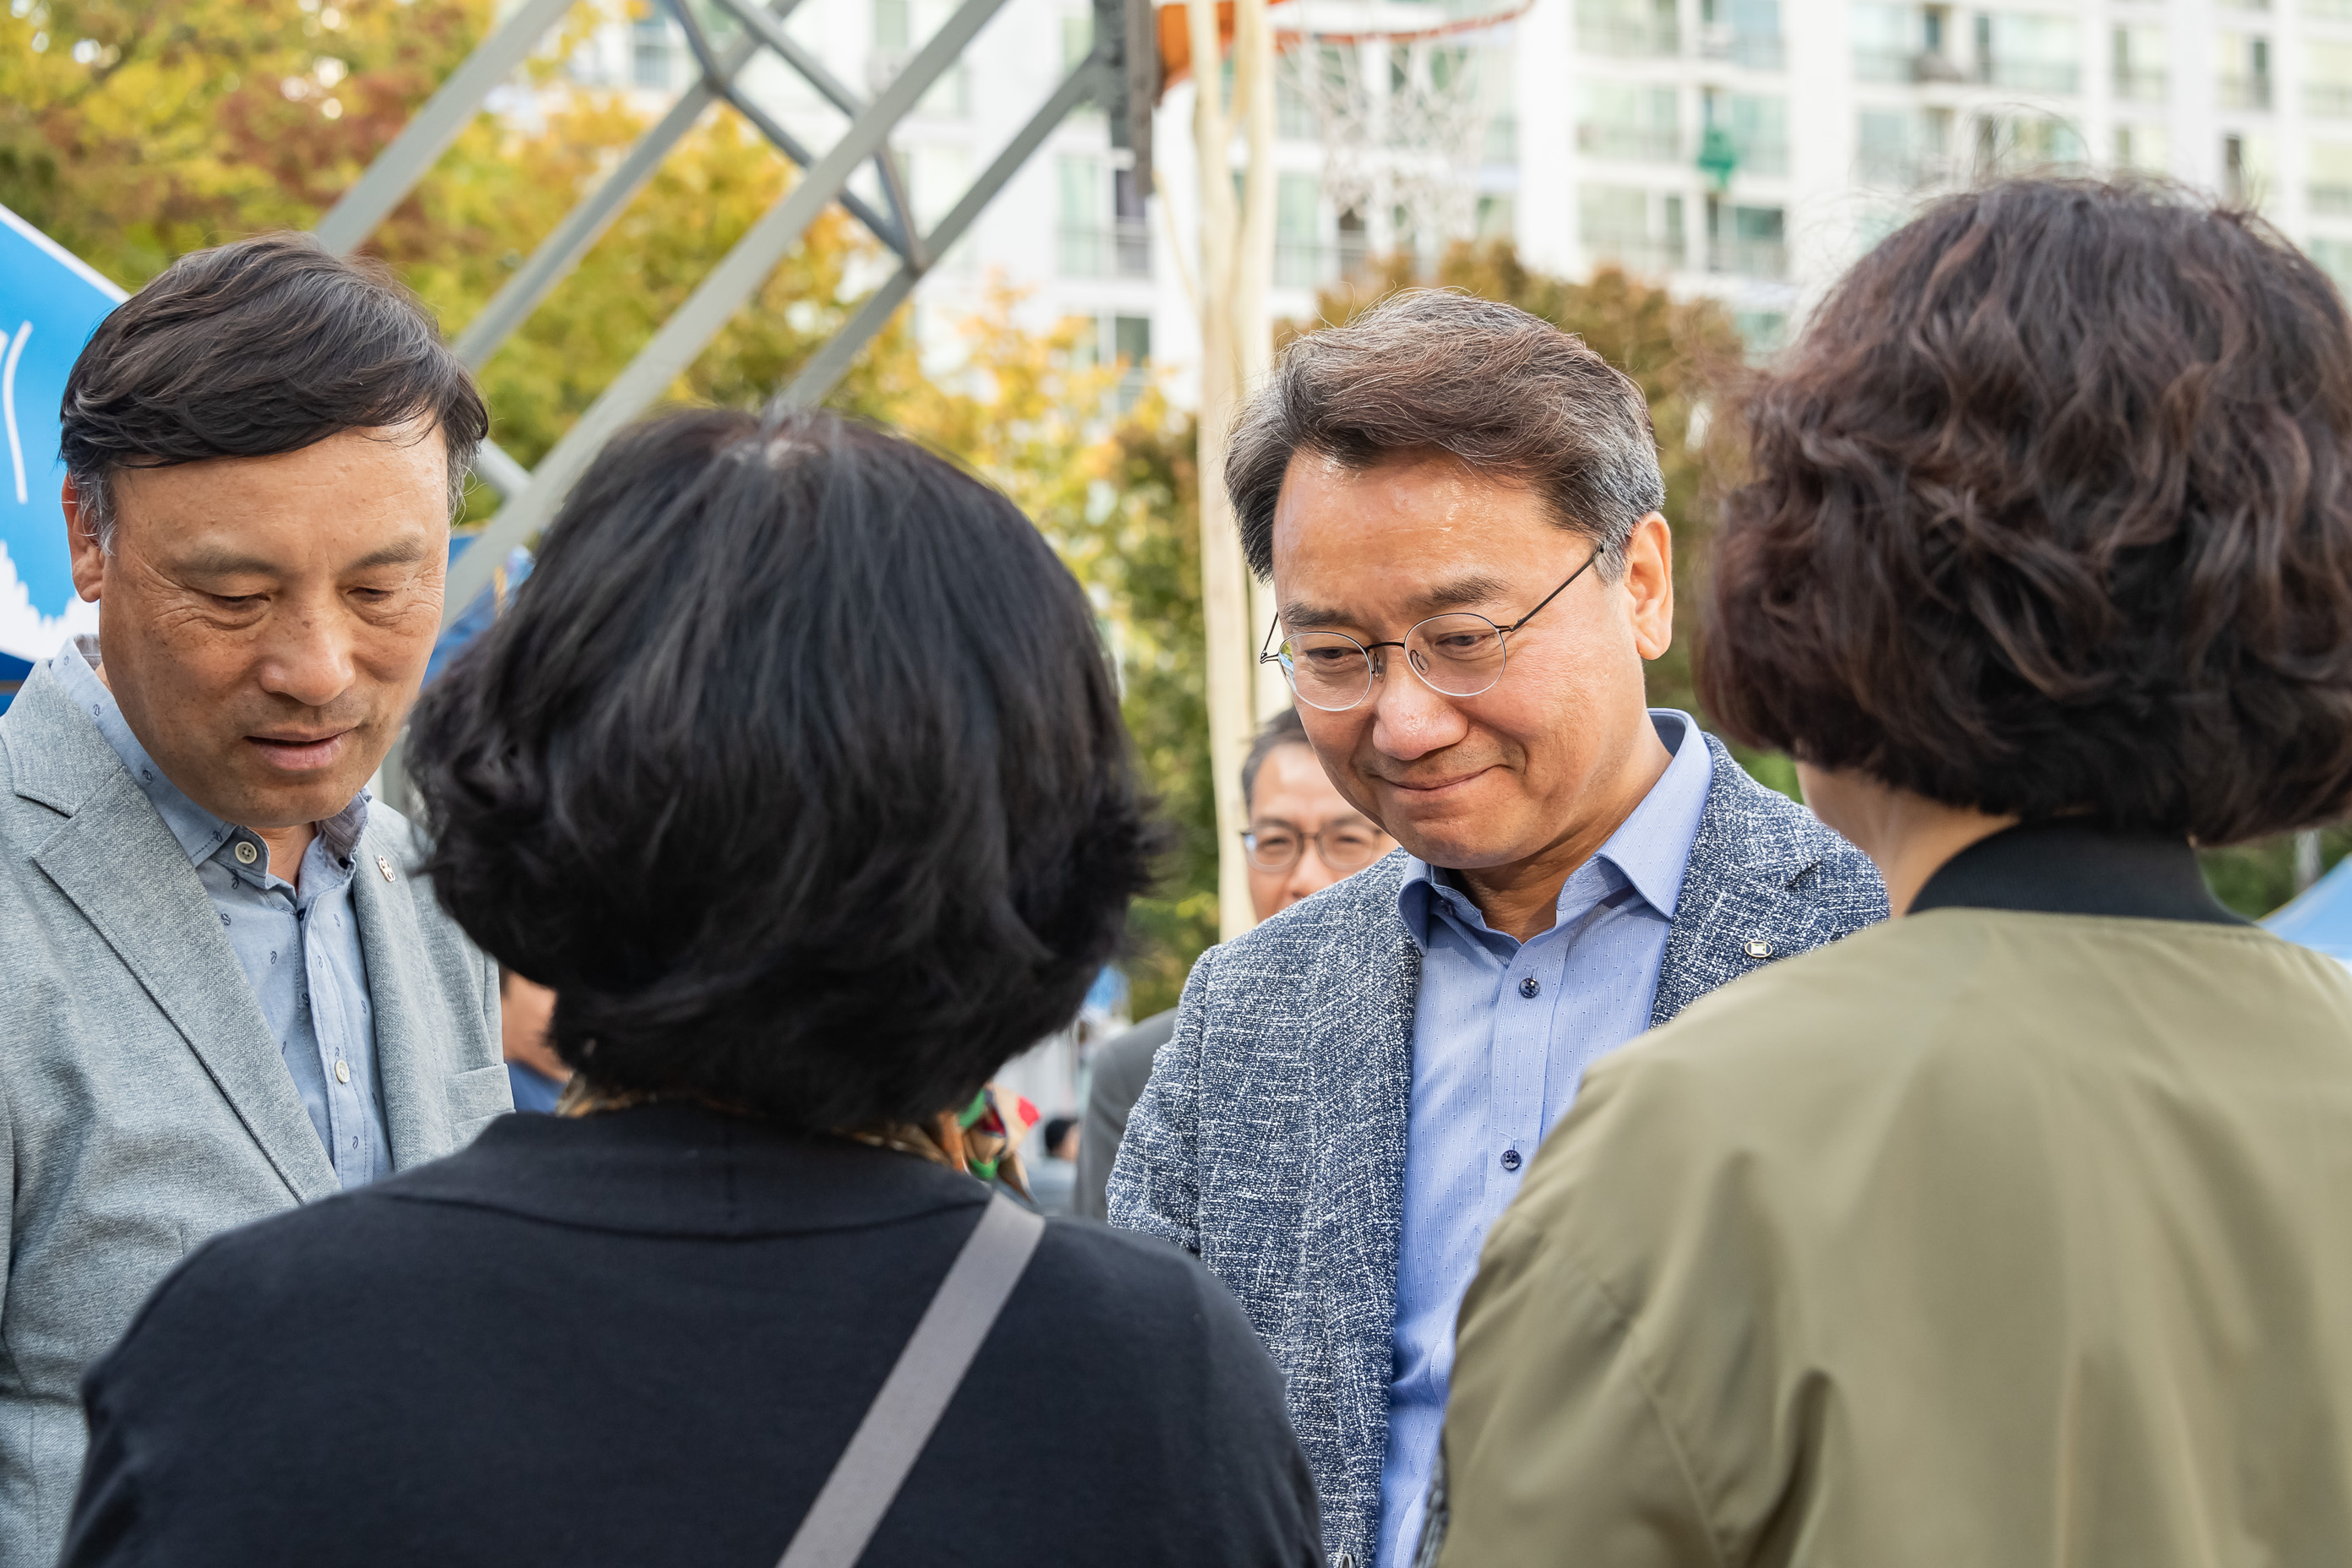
(1590, 1155)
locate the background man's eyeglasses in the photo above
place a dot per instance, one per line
(1345, 847)
(1456, 655)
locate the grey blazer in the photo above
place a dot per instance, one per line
(144, 1104)
(1271, 1139)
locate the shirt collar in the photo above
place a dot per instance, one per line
(200, 833)
(1649, 851)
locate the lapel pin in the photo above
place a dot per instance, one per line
(384, 864)
(1756, 947)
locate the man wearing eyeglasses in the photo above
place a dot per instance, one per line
(1458, 506)
(1303, 836)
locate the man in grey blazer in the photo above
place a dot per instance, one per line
(224, 993)
(1458, 506)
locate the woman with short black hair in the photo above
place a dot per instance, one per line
(796, 771)
(2015, 1229)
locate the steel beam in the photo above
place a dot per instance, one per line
(736, 278)
(823, 372)
(398, 167)
(722, 78)
(581, 227)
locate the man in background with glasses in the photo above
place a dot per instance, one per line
(1303, 836)
(1458, 506)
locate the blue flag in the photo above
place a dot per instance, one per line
(49, 304)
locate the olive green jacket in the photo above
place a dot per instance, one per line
(1980, 1239)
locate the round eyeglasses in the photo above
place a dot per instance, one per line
(1345, 847)
(1460, 654)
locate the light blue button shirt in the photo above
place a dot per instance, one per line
(300, 950)
(1501, 1036)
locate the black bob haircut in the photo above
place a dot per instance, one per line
(253, 349)
(2051, 516)
(796, 770)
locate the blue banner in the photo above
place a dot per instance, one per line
(49, 304)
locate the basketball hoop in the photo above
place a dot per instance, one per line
(1401, 112)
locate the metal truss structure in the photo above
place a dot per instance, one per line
(529, 497)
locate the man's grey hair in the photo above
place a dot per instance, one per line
(1510, 396)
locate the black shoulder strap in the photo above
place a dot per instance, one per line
(931, 1367)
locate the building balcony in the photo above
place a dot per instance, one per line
(2329, 200)
(1318, 264)
(1123, 249)
(1748, 257)
(1749, 51)
(2327, 100)
(2245, 92)
(1617, 35)
(2031, 76)
(1659, 144)
(1641, 255)
(2143, 86)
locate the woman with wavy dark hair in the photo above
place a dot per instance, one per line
(796, 771)
(2017, 1229)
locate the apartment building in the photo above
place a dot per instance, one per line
(1749, 149)
(1743, 149)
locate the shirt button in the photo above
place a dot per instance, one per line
(246, 853)
(343, 1075)
(1510, 1159)
(1530, 988)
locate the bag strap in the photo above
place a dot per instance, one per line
(867, 1476)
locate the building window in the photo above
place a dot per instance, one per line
(1124, 342)
(2245, 71)
(1104, 233)
(1498, 217)
(1904, 148)
(2142, 148)
(2016, 143)
(2328, 79)
(651, 52)
(2030, 53)
(1628, 27)
(1760, 130)
(1744, 32)
(2246, 168)
(1621, 120)
(2333, 257)
(1297, 236)
(1629, 226)
(2139, 57)
(1752, 242)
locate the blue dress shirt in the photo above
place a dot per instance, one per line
(301, 950)
(1502, 1032)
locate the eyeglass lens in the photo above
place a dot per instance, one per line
(1459, 655)
(1344, 846)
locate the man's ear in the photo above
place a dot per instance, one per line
(89, 559)
(1650, 583)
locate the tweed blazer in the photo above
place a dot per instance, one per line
(144, 1102)
(1270, 1141)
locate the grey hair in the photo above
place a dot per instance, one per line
(1511, 396)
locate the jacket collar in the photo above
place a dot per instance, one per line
(2068, 868)
(1741, 905)
(114, 858)
(677, 1169)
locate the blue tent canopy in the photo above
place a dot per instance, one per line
(2320, 918)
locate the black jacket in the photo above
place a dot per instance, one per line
(643, 1339)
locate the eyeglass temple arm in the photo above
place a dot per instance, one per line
(1555, 593)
